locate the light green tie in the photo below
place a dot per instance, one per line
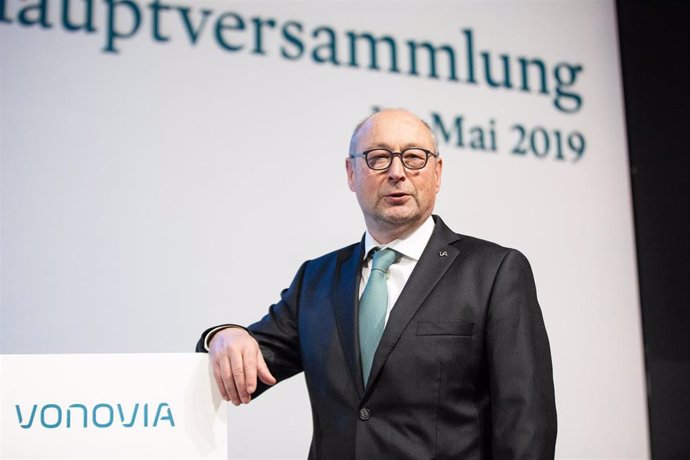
(372, 308)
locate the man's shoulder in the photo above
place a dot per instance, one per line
(490, 254)
(473, 246)
(338, 255)
(479, 244)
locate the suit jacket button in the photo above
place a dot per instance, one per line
(364, 414)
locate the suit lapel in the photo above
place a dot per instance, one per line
(436, 259)
(345, 294)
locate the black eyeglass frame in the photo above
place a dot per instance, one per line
(393, 155)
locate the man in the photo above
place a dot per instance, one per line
(431, 347)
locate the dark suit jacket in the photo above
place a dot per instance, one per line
(463, 370)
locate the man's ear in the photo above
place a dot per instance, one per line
(350, 168)
(439, 171)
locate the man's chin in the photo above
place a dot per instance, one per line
(399, 217)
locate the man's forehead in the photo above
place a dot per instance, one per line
(393, 126)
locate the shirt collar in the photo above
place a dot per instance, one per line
(410, 246)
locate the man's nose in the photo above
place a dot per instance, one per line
(396, 171)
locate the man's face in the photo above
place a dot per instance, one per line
(397, 200)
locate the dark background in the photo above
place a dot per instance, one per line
(655, 56)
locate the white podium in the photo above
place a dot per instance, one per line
(102, 406)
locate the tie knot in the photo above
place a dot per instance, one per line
(383, 259)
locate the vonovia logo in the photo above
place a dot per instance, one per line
(102, 415)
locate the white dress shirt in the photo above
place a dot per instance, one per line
(410, 248)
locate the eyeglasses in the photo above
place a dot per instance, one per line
(380, 159)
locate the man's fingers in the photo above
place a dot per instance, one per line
(228, 381)
(264, 374)
(249, 359)
(239, 375)
(219, 382)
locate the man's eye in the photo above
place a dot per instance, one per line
(415, 155)
(377, 155)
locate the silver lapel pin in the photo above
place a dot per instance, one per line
(442, 253)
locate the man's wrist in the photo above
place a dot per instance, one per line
(214, 331)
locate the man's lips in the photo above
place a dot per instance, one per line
(396, 197)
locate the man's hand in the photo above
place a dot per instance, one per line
(237, 361)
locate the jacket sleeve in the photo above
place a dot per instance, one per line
(523, 410)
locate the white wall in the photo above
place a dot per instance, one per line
(142, 190)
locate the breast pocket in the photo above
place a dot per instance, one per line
(462, 328)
